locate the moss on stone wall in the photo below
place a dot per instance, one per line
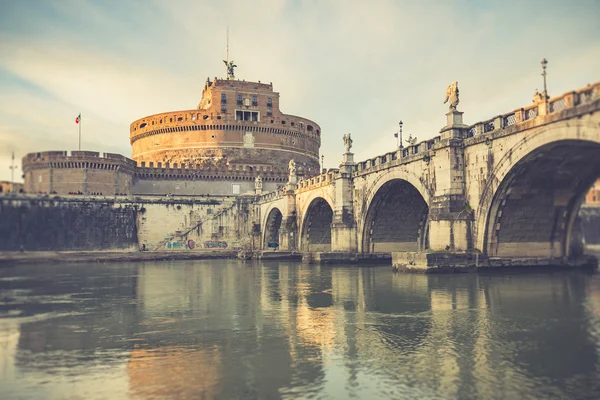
(46, 224)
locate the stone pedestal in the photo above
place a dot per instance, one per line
(454, 125)
(348, 158)
(455, 119)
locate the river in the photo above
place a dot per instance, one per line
(227, 329)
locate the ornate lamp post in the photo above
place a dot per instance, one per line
(398, 136)
(12, 168)
(544, 64)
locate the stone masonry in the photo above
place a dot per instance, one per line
(508, 188)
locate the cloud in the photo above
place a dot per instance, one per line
(351, 66)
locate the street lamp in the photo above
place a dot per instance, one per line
(544, 64)
(12, 168)
(398, 136)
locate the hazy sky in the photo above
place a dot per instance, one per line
(351, 66)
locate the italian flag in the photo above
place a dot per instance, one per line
(78, 119)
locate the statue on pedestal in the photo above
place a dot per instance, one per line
(347, 142)
(452, 96)
(538, 97)
(292, 168)
(258, 183)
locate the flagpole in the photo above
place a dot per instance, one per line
(79, 131)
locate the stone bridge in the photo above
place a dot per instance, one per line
(505, 191)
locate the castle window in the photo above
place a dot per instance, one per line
(282, 122)
(309, 128)
(180, 119)
(170, 119)
(143, 125)
(218, 116)
(223, 107)
(205, 117)
(269, 102)
(301, 125)
(254, 100)
(239, 99)
(292, 124)
(161, 121)
(269, 112)
(247, 115)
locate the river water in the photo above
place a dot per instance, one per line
(226, 329)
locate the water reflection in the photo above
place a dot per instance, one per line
(224, 329)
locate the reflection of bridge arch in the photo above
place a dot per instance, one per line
(271, 226)
(396, 219)
(316, 226)
(396, 191)
(530, 204)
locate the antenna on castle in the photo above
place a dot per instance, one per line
(227, 47)
(229, 64)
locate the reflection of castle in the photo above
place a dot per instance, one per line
(236, 134)
(174, 372)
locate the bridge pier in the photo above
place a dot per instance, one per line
(343, 226)
(287, 238)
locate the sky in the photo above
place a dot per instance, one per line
(351, 66)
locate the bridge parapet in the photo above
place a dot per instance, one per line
(401, 156)
(274, 195)
(554, 105)
(317, 181)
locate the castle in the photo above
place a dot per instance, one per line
(236, 134)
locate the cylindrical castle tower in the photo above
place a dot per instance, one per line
(237, 123)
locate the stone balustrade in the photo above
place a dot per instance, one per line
(554, 105)
(317, 181)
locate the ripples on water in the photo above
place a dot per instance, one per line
(224, 329)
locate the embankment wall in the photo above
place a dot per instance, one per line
(63, 223)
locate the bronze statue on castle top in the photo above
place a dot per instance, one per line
(230, 66)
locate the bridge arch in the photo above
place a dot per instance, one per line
(395, 209)
(316, 226)
(272, 226)
(530, 205)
